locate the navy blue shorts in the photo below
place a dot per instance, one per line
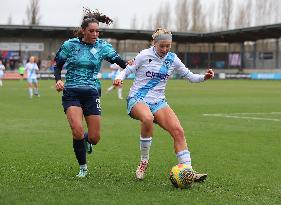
(86, 98)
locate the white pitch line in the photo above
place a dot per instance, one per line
(257, 113)
(238, 117)
(249, 113)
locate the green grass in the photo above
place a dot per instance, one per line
(241, 156)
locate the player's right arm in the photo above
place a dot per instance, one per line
(60, 59)
(59, 85)
(129, 69)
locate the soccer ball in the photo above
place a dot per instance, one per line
(181, 176)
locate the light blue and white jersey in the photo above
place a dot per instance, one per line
(31, 69)
(152, 73)
(2, 68)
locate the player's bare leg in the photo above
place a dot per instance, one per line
(75, 115)
(142, 112)
(167, 119)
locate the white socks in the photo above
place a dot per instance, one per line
(120, 93)
(145, 144)
(110, 88)
(30, 91)
(36, 91)
(184, 157)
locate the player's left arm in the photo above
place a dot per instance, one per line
(183, 71)
(111, 55)
(209, 74)
(118, 60)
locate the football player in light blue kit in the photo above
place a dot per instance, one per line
(82, 58)
(31, 68)
(146, 100)
(2, 68)
(115, 71)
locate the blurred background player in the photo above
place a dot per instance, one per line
(115, 71)
(21, 71)
(147, 103)
(82, 58)
(2, 68)
(31, 68)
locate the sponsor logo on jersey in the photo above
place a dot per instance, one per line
(160, 76)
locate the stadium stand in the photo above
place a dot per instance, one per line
(246, 50)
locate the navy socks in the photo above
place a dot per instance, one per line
(80, 151)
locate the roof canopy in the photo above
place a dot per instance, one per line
(230, 36)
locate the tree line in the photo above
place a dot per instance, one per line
(200, 16)
(193, 15)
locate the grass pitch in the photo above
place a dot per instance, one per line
(232, 128)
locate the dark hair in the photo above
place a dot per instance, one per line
(92, 16)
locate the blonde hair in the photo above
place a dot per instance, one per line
(160, 31)
(33, 58)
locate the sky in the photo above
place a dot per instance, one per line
(69, 12)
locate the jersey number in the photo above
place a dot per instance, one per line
(98, 103)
